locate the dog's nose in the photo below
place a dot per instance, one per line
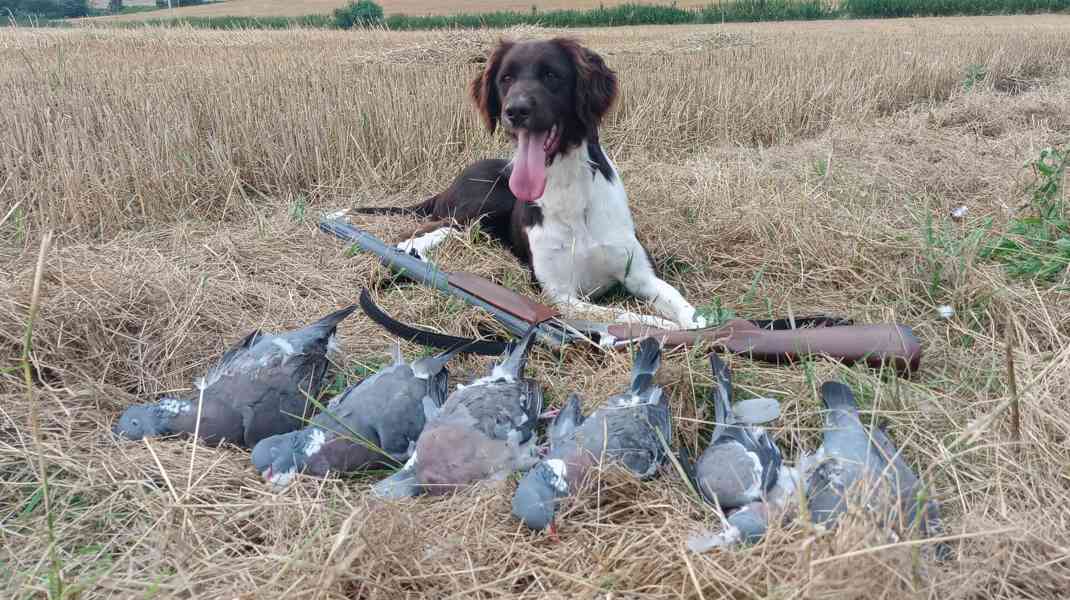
(518, 112)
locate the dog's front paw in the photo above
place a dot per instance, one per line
(692, 320)
(409, 247)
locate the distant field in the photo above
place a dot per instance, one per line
(288, 8)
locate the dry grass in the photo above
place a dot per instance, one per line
(183, 172)
(289, 8)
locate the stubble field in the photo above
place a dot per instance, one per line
(773, 169)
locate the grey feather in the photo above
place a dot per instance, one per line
(483, 430)
(568, 419)
(756, 411)
(259, 388)
(741, 463)
(860, 468)
(373, 423)
(630, 429)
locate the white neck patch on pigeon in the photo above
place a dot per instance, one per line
(560, 470)
(316, 440)
(174, 406)
(496, 374)
(286, 346)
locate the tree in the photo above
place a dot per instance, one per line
(358, 14)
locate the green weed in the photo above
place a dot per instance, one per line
(1037, 246)
(974, 74)
(298, 208)
(717, 313)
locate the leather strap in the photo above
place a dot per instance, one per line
(426, 338)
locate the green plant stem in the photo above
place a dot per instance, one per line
(35, 426)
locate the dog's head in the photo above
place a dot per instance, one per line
(550, 95)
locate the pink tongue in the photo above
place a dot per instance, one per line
(528, 180)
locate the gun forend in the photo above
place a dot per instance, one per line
(879, 345)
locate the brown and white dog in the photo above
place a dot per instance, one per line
(559, 204)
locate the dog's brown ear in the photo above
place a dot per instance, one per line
(484, 89)
(596, 83)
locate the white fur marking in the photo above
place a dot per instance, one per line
(332, 345)
(425, 242)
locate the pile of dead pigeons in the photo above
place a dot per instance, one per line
(260, 395)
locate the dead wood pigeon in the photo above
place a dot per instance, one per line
(632, 429)
(259, 388)
(741, 464)
(747, 525)
(374, 422)
(484, 431)
(854, 467)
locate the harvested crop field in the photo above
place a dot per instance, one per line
(776, 169)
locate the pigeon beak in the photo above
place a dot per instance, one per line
(267, 474)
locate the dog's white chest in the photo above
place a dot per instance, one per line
(586, 240)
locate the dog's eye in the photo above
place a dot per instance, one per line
(550, 76)
(507, 79)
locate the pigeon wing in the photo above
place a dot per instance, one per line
(567, 421)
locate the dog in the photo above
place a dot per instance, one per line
(559, 203)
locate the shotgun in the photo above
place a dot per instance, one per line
(779, 341)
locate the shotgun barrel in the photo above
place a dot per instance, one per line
(428, 274)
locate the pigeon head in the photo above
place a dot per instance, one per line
(280, 457)
(536, 496)
(150, 420)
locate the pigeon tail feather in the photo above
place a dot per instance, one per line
(567, 421)
(721, 396)
(836, 395)
(647, 361)
(330, 322)
(518, 355)
(432, 365)
(690, 472)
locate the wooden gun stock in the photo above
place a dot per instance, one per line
(877, 345)
(503, 298)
